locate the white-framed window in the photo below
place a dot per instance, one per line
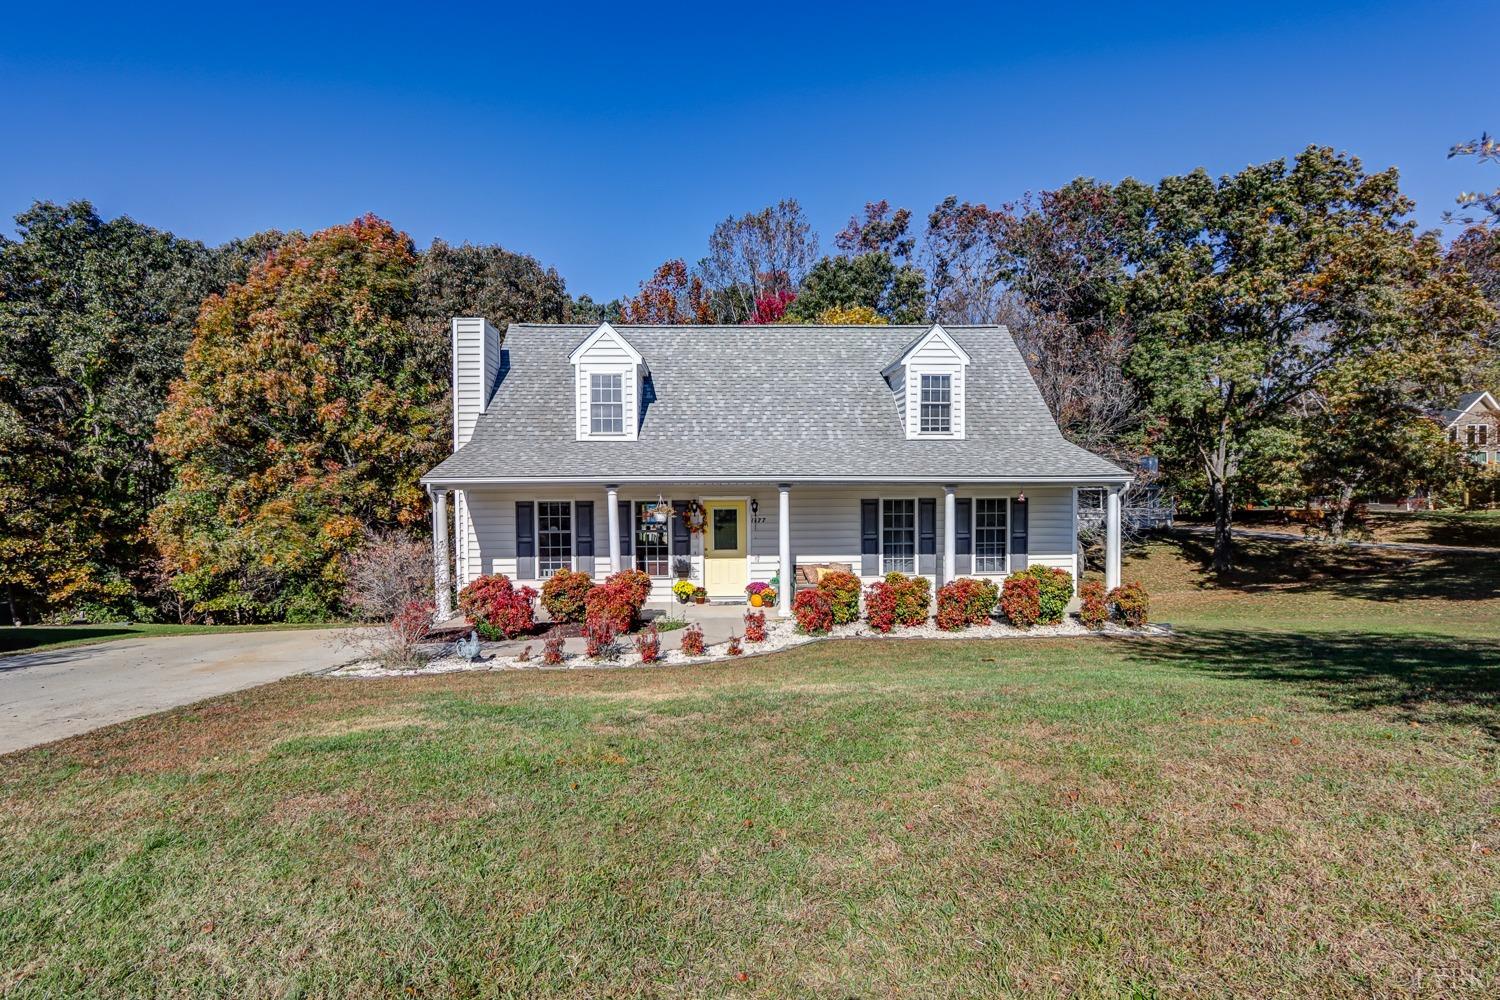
(991, 523)
(554, 536)
(1484, 434)
(898, 536)
(652, 548)
(1479, 457)
(606, 403)
(935, 413)
(1472, 432)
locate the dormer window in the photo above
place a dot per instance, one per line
(607, 403)
(936, 415)
(927, 381)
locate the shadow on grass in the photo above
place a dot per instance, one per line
(1296, 567)
(26, 636)
(1428, 678)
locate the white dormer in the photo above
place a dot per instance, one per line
(927, 381)
(608, 375)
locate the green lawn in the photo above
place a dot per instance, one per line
(1297, 797)
(29, 638)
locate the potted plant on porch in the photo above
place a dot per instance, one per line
(700, 596)
(757, 592)
(684, 590)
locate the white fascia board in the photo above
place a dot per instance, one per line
(916, 345)
(462, 482)
(602, 331)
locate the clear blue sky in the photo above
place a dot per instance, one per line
(605, 141)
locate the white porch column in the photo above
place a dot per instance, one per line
(612, 501)
(950, 534)
(788, 577)
(1112, 539)
(442, 586)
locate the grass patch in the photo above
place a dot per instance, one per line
(30, 638)
(1300, 796)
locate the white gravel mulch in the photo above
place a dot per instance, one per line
(780, 634)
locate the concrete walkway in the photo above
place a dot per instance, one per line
(54, 693)
(1291, 536)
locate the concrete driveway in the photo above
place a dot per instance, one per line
(51, 694)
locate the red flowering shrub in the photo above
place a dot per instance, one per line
(813, 612)
(496, 608)
(913, 597)
(599, 634)
(638, 582)
(1095, 610)
(1131, 603)
(552, 650)
(965, 602)
(564, 593)
(648, 644)
(404, 633)
(880, 606)
(755, 626)
(1021, 600)
(843, 596)
(734, 648)
(692, 640)
(1054, 591)
(618, 599)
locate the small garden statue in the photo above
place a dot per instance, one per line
(467, 647)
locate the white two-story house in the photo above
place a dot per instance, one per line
(732, 454)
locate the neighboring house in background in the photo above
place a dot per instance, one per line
(1474, 424)
(923, 449)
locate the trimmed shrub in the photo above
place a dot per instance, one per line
(618, 599)
(648, 644)
(638, 582)
(913, 597)
(880, 606)
(1021, 600)
(842, 591)
(1132, 603)
(755, 626)
(692, 641)
(965, 602)
(564, 594)
(813, 612)
(552, 650)
(1054, 591)
(1095, 610)
(497, 609)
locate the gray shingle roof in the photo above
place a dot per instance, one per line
(772, 402)
(1465, 401)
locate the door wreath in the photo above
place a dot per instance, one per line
(695, 517)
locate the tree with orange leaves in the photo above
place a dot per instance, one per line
(672, 295)
(307, 409)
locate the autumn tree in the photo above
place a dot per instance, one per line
(308, 407)
(756, 257)
(1480, 208)
(94, 317)
(1250, 289)
(963, 261)
(671, 295)
(873, 270)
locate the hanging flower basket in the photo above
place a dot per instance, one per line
(659, 512)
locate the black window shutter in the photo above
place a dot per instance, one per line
(927, 526)
(963, 538)
(583, 513)
(681, 538)
(627, 528)
(525, 529)
(869, 527)
(1018, 528)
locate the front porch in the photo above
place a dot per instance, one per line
(725, 535)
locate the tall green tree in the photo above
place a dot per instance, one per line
(308, 408)
(1251, 288)
(94, 317)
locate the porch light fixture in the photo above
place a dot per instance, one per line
(754, 506)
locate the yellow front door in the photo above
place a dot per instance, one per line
(726, 569)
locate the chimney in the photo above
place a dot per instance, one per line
(476, 368)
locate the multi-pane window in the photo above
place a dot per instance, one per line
(1472, 433)
(650, 542)
(936, 413)
(554, 536)
(989, 534)
(898, 536)
(1484, 434)
(607, 404)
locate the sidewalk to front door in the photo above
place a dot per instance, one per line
(726, 564)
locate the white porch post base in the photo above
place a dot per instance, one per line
(612, 503)
(1112, 539)
(788, 579)
(950, 534)
(442, 586)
